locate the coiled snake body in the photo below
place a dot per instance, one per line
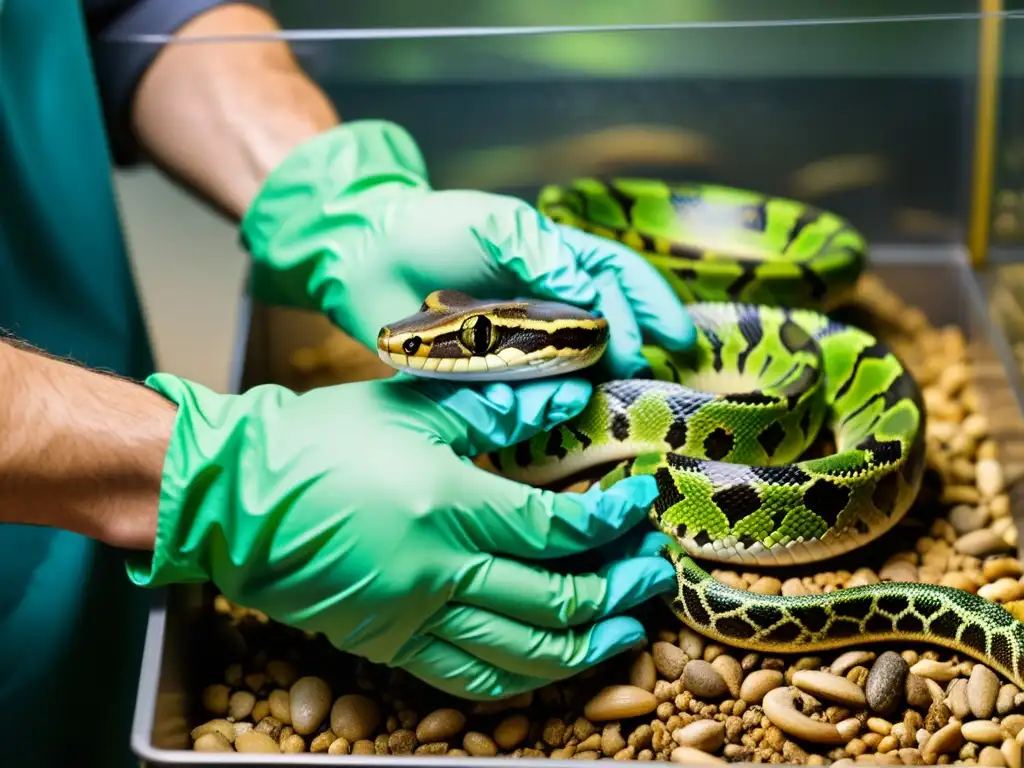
(722, 427)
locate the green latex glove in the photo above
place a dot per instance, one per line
(354, 511)
(349, 225)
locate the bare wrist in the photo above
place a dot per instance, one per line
(82, 451)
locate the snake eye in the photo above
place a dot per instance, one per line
(410, 345)
(478, 335)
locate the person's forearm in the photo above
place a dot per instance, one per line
(79, 450)
(220, 116)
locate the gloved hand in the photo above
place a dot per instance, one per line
(349, 225)
(354, 511)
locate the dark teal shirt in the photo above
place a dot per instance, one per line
(71, 625)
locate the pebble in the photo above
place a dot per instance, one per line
(669, 660)
(941, 671)
(703, 681)
(440, 725)
(1006, 700)
(691, 643)
(989, 473)
(354, 717)
(996, 568)
(884, 687)
(309, 701)
(690, 756)
(956, 698)
(991, 756)
(916, 692)
(254, 741)
(779, 708)
(512, 731)
(832, 687)
(1003, 590)
(847, 661)
(966, 518)
(766, 585)
(943, 741)
(982, 691)
(731, 672)
(617, 702)
(759, 683)
(981, 543)
(705, 735)
(1011, 753)
(643, 673)
(983, 732)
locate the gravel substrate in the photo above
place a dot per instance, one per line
(684, 699)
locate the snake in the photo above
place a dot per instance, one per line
(725, 426)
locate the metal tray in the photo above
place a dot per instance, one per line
(937, 280)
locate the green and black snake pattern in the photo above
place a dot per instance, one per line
(722, 428)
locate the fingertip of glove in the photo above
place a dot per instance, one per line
(613, 636)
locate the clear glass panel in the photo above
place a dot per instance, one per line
(864, 107)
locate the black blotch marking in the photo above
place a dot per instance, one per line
(554, 445)
(678, 461)
(805, 380)
(668, 493)
(893, 604)
(720, 601)
(910, 624)
(749, 398)
(813, 617)
(827, 500)
(732, 626)
(877, 624)
(620, 427)
(784, 633)
(749, 325)
(718, 444)
(882, 451)
(684, 251)
(684, 273)
(703, 538)
(876, 351)
(764, 616)
(676, 435)
(794, 338)
(813, 281)
(854, 608)
(973, 636)
(945, 624)
(1002, 654)
(844, 628)
(694, 607)
(771, 438)
(805, 422)
(786, 475)
(861, 526)
(495, 460)
(584, 439)
(523, 453)
(927, 606)
(737, 501)
(735, 289)
(804, 220)
(886, 492)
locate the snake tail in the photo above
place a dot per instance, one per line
(872, 613)
(716, 243)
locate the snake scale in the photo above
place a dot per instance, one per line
(723, 427)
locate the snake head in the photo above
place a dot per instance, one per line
(457, 337)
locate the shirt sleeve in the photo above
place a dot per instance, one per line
(120, 64)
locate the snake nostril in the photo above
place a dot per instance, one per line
(410, 345)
